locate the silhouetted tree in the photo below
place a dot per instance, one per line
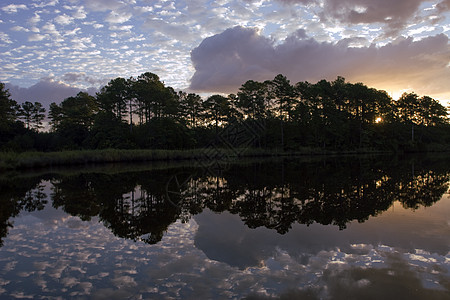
(8, 108)
(192, 108)
(113, 97)
(252, 99)
(218, 109)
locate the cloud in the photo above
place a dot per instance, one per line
(225, 61)
(443, 6)
(19, 28)
(51, 28)
(372, 11)
(46, 3)
(103, 5)
(81, 77)
(121, 28)
(35, 19)
(63, 19)
(82, 43)
(4, 37)
(118, 18)
(394, 14)
(175, 31)
(98, 26)
(13, 8)
(288, 1)
(36, 37)
(80, 14)
(46, 91)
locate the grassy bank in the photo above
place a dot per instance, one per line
(11, 160)
(26, 160)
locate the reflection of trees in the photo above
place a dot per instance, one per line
(76, 196)
(326, 194)
(142, 205)
(143, 213)
(131, 205)
(423, 190)
(333, 192)
(17, 195)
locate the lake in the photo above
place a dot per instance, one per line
(356, 227)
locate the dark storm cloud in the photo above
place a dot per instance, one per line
(225, 61)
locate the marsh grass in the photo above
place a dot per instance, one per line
(10, 160)
(27, 160)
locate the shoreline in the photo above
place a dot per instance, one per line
(10, 161)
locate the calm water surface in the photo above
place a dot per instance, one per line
(340, 228)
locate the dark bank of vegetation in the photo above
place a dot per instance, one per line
(271, 116)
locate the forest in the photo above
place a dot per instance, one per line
(142, 113)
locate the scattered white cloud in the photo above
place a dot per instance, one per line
(103, 5)
(14, 8)
(118, 18)
(4, 37)
(172, 31)
(72, 32)
(64, 19)
(82, 43)
(98, 26)
(421, 30)
(36, 18)
(80, 14)
(43, 4)
(36, 37)
(50, 28)
(19, 28)
(121, 28)
(72, 78)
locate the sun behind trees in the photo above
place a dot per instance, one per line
(143, 113)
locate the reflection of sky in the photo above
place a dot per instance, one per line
(50, 254)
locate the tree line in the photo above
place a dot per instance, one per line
(142, 113)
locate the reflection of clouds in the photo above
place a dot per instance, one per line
(10, 266)
(123, 281)
(69, 281)
(3, 282)
(69, 258)
(41, 283)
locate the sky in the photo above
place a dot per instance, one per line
(50, 50)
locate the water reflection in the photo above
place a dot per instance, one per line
(16, 196)
(141, 205)
(150, 232)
